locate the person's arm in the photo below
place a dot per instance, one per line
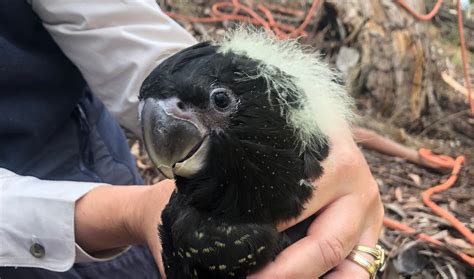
(37, 221)
(115, 45)
(116, 216)
(50, 224)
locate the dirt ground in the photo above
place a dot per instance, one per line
(400, 182)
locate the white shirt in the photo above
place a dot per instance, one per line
(115, 44)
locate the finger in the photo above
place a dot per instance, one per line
(156, 249)
(156, 201)
(330, 239)
(349, 269)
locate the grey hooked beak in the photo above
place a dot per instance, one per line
(175, 140)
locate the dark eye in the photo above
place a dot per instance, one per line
(221, 98)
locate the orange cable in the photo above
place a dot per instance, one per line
(306, 21)
(285, 10)
(281, 30)
(394, 225)
(428, 16)
(458, 225)
(271, 21)
(442, 212)
(440, 160)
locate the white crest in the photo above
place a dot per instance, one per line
(327, 106)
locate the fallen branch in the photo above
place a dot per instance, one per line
(454, 84)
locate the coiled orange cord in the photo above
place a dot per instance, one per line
(455, 165)
(428, 16)
(283, 31)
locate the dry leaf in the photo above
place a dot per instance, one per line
(416, 178)
(395, 207)
(143, 166)
(440, 235)
(458, 242)
(453, 205)
(413, 205)
(398, 194)
(135, 150)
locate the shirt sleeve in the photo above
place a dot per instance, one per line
(37, 222)
(115, 44)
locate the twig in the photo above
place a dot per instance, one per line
(442, 120)
(406, 181)
(440, 270)
(454, 84)
(371, 140)
(452, 271)
(430, 217)
(396, 209)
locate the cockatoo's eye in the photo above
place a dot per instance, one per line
(221, 98)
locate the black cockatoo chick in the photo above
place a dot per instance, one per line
(242, 127)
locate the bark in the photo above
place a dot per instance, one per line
(396, 69)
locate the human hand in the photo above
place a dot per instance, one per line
(109, 218)
(350, 212)
(146, 216)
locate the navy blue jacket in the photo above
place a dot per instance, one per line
(47, 112)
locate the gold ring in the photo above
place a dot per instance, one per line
(372, 267)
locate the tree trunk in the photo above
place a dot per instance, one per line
(396, 69)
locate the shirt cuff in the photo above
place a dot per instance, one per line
(102, 256)
(37, 222)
